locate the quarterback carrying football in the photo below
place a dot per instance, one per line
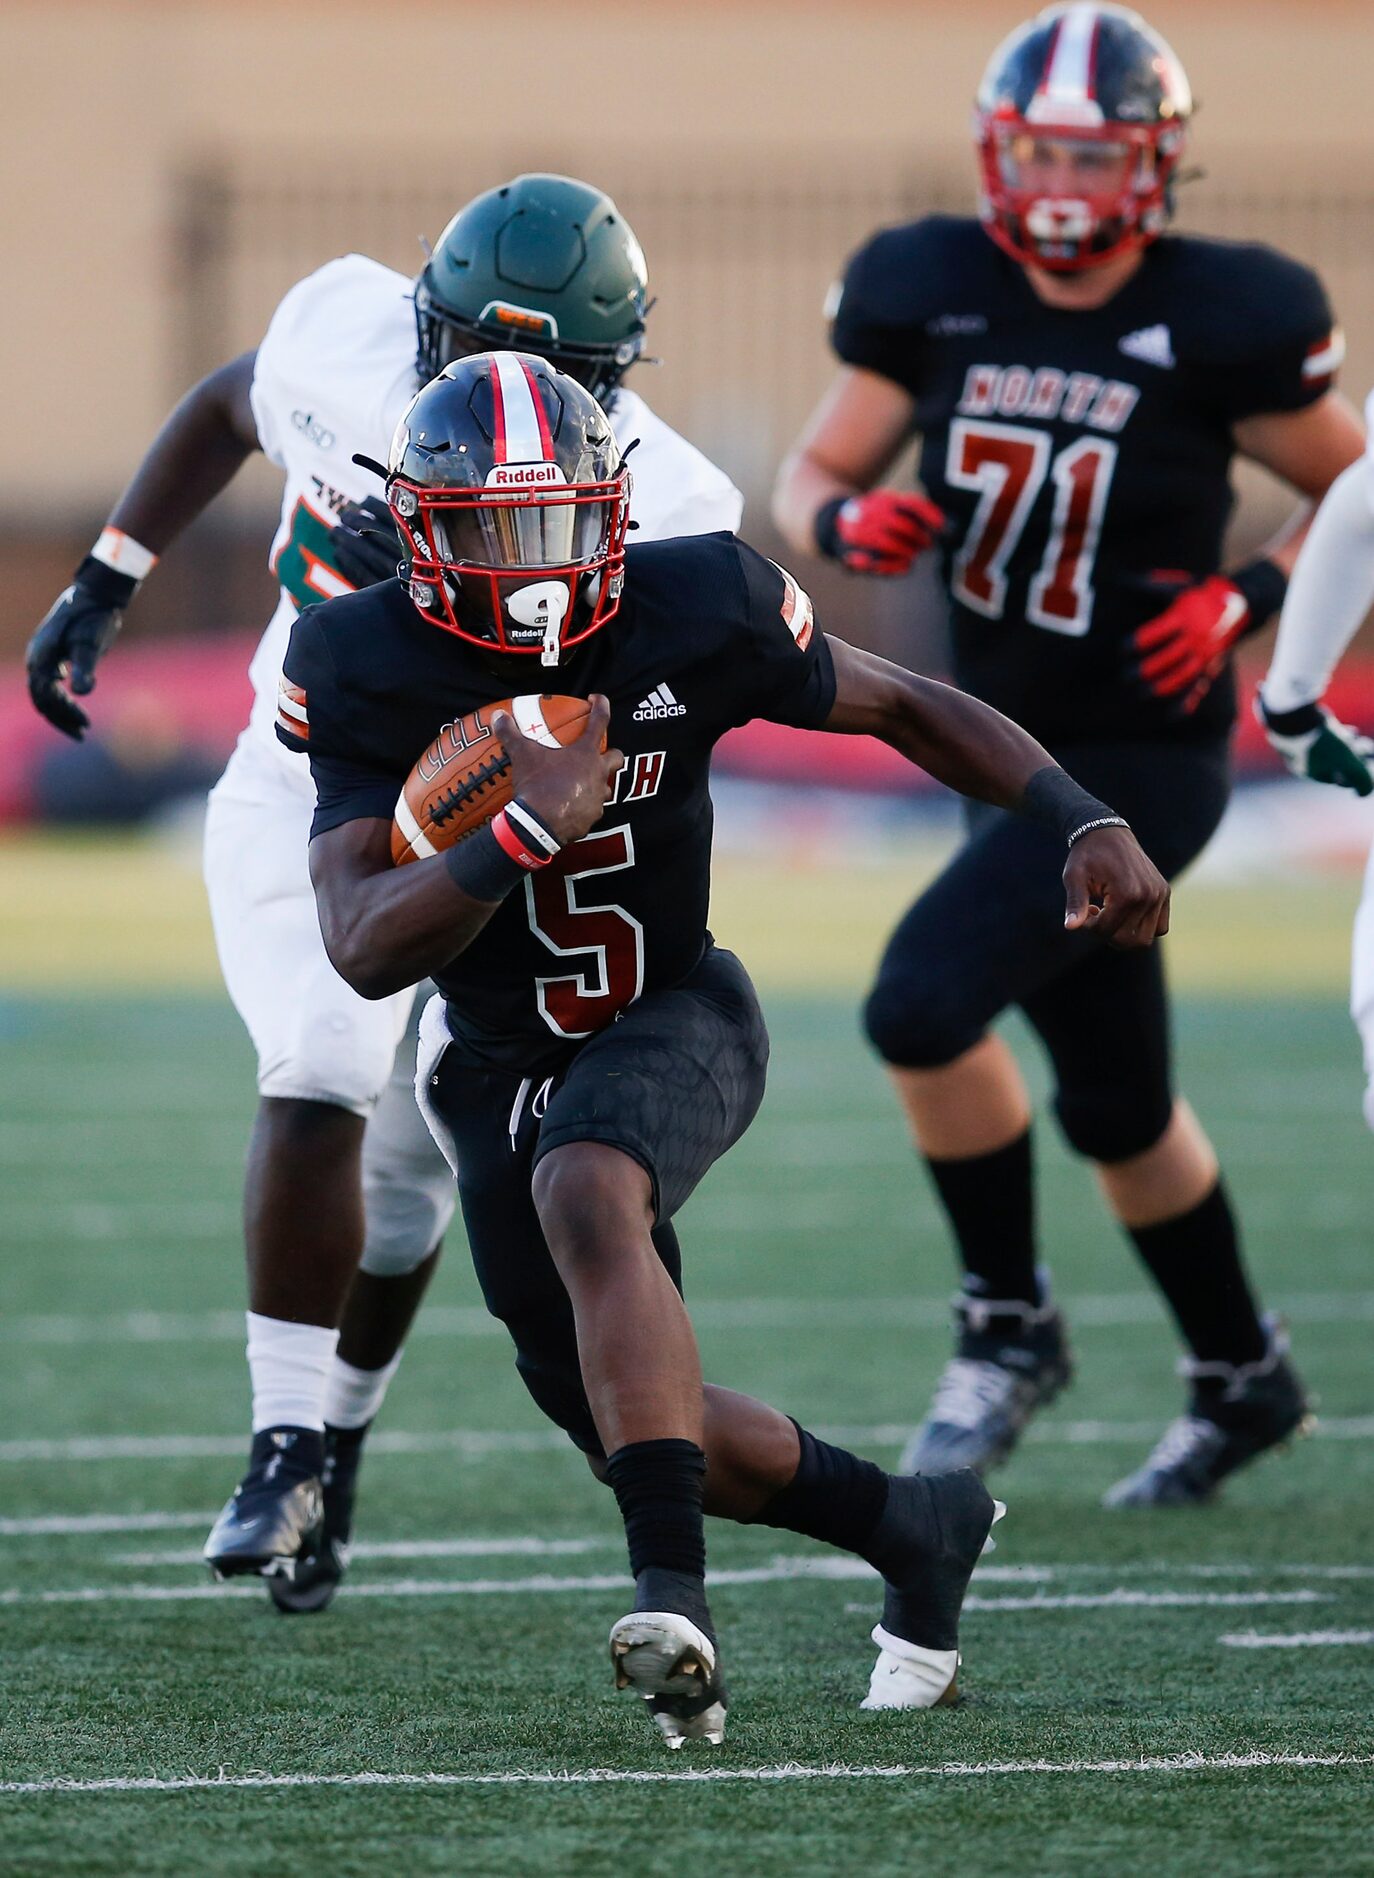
(341, 1167)
(591, 1051)
(1081, 380)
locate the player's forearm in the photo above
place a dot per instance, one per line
(386, 931)
(194, 456)
(965, 744)
(953, 737)
(803, 488)
(1329, 594)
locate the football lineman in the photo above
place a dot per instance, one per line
(1081, 380)
(1331, 592)
(591, 1051)
(340, 1165)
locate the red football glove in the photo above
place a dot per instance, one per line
(880, 533)
(1184, 648)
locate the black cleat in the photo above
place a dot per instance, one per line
(1235, 1413)
(276, 1512)
(318, 1574)
(1011, 1360)
(933, 1530)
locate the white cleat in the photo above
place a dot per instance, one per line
(909, 1675)
(667, 1660)
(906, 1676)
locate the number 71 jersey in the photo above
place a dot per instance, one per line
(1083, 457)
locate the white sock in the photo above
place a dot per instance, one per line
(353, 1396)
(289, 1365)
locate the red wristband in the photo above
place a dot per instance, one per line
(521, 850)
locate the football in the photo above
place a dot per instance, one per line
(463, 778)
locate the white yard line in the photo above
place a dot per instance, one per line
(780, 1569)
(66, 1525)
(475, 1442)
(1100, 1311)
(1192, 1763)
(1296, 1640)
(515, 1547)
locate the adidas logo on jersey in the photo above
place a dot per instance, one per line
(1152, 344)
(659, 703)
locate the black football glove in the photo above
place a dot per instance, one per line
(75, 635)
(366, 547)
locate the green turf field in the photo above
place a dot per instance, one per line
(1105, 1686)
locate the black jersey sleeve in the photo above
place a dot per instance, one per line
(907, 283)
(315, 715)
(873, 315)
(1283, 348)
(783, 668)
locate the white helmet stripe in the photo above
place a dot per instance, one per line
(519, 433)
(1066, 91)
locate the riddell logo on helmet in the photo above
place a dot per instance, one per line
(524, 475)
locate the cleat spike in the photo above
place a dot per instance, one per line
(672, 1664)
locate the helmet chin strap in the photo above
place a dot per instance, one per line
(544, 603)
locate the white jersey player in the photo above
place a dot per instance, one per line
(1329, 595)
(341, 1168)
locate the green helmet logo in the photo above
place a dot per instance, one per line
(543, 264)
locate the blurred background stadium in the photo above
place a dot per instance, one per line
(178, 166)
(173, 166)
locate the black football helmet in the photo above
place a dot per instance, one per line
(543, 263)
(507, 486)
(1080, 122)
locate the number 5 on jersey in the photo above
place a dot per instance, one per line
(610, 940)
(1006, 466)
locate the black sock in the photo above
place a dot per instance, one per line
(990, 1200)
(658, 1486)
(1195, 1260)
(833, 1496)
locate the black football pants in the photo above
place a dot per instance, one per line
(989, 933)
(673, 1083)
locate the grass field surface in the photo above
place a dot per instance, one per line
(1163, 1692)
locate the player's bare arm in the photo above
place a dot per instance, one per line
(1307, 449)
(385, 927)
(194, 456)
(1110, 884)
(825, 497)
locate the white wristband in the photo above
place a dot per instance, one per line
(124, 554)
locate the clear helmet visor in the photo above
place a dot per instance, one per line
(1064, 168)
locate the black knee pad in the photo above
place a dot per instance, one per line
(913, 1028)
(1113, 1123)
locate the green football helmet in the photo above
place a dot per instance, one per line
(546, 265)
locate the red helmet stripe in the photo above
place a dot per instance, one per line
(498, 408)
(522, 430)
(545, 434)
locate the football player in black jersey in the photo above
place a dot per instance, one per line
(592, 1050)
(1081, 381)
